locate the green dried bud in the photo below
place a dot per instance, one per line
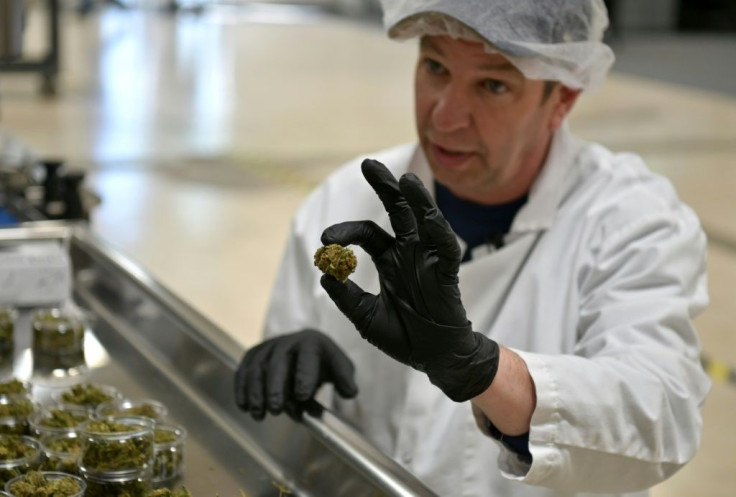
(335, 260)
(7, 326)
(165, 492)
(62, 454)
(35, 484)
(168, 454)
(144, 410)
(56, 333)
(66, 445)
(110, 454)
(18, 455)
(111, 427)
(14, 448)
(60, 418)
(12, 387)
(85, 395)
(19, 408)
(131, 488)
(164, 436)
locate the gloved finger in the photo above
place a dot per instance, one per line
(366, 234)
(279, 377)
(294, 409)
(355, 303)
(256, 388)
(341, 371)
(308, 376)
(251, 359)
(313, 408)
(435, 227)
(257, 358)
(387, 189)
(420, 201)
(448, 250)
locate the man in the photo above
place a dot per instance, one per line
(545, 281)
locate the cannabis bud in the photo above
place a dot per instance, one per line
(36, 483)
(165, 492)
(339, 262)
(13, 387)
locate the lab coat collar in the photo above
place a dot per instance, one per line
(547, 190)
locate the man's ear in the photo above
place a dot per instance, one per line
(563, 99)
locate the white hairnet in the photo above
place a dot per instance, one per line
(556, 40)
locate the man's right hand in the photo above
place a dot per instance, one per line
(285, 372)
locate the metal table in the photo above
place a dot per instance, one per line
(149, 344)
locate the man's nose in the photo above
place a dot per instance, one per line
(452, 110)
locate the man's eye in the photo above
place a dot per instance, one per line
(433, 67)
(495, 86)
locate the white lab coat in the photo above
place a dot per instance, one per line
(602, 271)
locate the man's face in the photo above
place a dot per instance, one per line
(483, 126)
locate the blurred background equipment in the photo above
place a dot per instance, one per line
(12, 24)
(11, 29)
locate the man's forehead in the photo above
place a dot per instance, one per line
(468, 49)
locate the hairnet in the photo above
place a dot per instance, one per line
(557, 40)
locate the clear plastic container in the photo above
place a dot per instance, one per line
(15, 412)
(25, 456)
(144, 408)
(57, 333)
(8, 315)
(57, 420)
(168, 452)
(62, 452)
(127, 484)
(49, 476)
(86, 395)
(58, 342)
(116, 446)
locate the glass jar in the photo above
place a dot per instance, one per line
(46, 476)
(58, 341)
(168, 452)
(15, 412)
(144, 408)
(126, 484)
(57, 420)
(62, 452)
(86, 395)
(115, 446)
(23, 455)
(8, 315)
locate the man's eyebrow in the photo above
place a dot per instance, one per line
(500, 66)
(427, 44)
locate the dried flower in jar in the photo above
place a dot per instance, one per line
(85, 395)
(35, 484)
(165, 492)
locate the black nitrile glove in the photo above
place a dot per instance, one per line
(418, 317)
(285, 372)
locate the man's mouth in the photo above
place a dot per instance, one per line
(448, 157)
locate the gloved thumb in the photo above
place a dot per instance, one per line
(356, 304)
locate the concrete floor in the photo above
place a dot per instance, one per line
(202, 134)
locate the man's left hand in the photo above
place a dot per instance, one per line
(418, 317)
